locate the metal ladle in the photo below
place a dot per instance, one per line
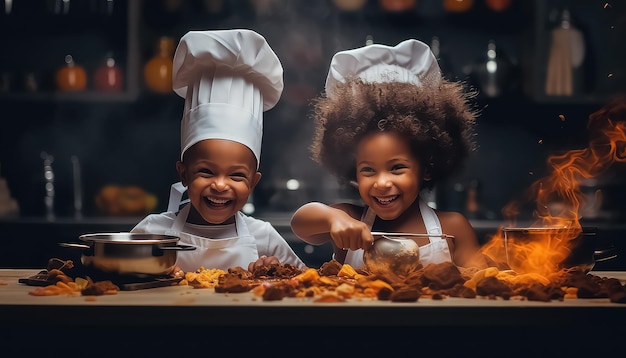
(394, 252)
(396, 255)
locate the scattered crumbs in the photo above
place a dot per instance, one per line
(3, 283)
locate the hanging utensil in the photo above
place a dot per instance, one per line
(492, 72)
(78, 187)
(61, 7)
(567, 52)
(48, 174)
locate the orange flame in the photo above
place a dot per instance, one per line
(559, 201)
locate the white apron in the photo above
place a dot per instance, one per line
(212, 253)
(436, 251)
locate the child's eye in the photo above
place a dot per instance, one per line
(366, 170)
(398, 167)
(205, 171)
(238, 176)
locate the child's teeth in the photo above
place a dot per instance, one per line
(387, 200)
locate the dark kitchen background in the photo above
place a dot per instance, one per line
(65, 142)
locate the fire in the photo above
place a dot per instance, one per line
(558, 199)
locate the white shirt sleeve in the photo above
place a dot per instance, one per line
(271, 243)
(155, 223)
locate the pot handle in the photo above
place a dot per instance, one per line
(77, 246)
(178, 247)
(605, 254)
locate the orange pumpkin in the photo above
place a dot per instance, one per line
(458, 5)
(71, 77)
(498, 5)
(158, 70)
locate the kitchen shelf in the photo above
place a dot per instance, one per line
(86, 96)
(41, 39)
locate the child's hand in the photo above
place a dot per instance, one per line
(263, 261)
(178, 273)
(348, 233)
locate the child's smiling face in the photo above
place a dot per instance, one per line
(388, 174)
(219, 175)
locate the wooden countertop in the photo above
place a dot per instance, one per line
(169, 321)
(186, 306)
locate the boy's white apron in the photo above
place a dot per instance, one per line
(210, 253)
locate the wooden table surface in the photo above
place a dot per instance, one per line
(184, 317)
(184, 305)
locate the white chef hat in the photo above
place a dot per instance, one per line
(410, 61)
(228, 79)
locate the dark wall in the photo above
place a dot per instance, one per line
(136, 142)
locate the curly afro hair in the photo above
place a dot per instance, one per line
(436, 117)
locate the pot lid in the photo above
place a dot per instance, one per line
(130, 238)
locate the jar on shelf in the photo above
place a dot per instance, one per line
(498, 5)
(458, 6)
(397, 5)
(31, 82)
(109, 76)
(158, 70)
(71, 77)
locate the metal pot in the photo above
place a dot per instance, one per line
(130, 253)
(583, 253)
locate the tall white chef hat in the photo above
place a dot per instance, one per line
(228, 79)
(410, 61)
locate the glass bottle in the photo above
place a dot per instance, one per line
(158, 70)
(108, 77)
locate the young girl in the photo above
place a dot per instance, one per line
(228, 79)
(391, 125)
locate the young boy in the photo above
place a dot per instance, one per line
(391, 125)
(228, 79)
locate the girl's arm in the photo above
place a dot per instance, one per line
(317, 223)
(466, 249)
